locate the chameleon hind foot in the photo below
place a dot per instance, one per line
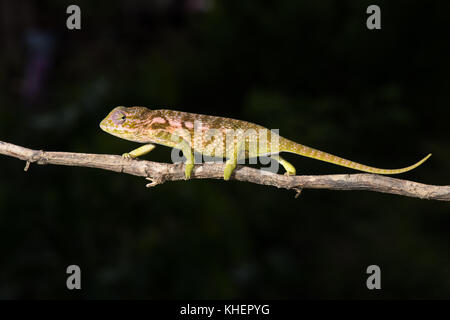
(290, 169)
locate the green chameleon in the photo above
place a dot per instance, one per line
(178, 129)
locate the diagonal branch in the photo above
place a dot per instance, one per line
(159, 173)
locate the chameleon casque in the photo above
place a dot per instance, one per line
(176, 129)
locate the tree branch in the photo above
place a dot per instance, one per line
(159, 173)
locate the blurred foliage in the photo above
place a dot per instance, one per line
(310, 68)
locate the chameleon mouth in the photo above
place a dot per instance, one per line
(103, 125)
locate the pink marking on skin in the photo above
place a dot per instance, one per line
(175, 123)
(158, 120)
(189, 125)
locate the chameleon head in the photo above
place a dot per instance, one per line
(125, 122)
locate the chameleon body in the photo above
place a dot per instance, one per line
(181, 130)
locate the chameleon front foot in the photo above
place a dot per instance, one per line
(146, 148)
(127, 156)
(229, 168)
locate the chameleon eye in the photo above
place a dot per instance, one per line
(121, 117)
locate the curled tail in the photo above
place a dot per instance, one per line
(302, 150)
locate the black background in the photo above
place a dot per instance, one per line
(310, 68)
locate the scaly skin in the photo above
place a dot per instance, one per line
(208, 135)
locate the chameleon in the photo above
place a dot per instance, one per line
(176, 129)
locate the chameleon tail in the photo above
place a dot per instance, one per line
(292, 147)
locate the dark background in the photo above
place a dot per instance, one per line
(310, 68)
